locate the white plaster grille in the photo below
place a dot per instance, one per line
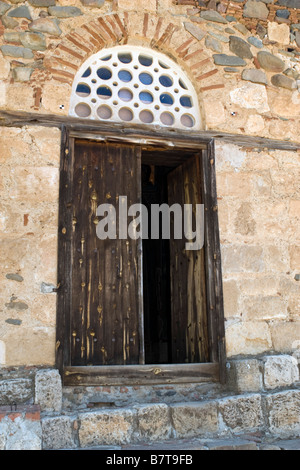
(134, 84)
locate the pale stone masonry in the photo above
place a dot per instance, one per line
(258, 190)
(247, 405)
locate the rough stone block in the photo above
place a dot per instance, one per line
(4, 67)
(270, 62)
(248, 338)
(240, 47)
(194, 419)
(42, 3)
(283, 413)
(48, 390)
(15, 391)
(59, 432)
(64, 12)
(19, 433)
(255, 9)
(295, 256)
(251, 96)
(282, 81)
(280, 371)
(20, 12)
(213, 16)
(46, 25)
(279, 32)
(242, 258)
(93, 3)
(4, 7)
(285, 335)
(16, 51)
(231, 297)
(255, 76)
(244, 375)
(228, 60)
(34, 41)
(154, 422)
(22, 74)
(107, 427)
(195, 31)
(264, 308)
(242, 413)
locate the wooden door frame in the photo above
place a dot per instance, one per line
(141, 374)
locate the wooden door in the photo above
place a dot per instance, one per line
(105, 311)
(187, 273)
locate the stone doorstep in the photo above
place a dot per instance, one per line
(156, 422)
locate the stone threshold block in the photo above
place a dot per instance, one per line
(241, 413)
(195, 419)
(283, 410)
(107, 427)
(263, 374)
(280, 371)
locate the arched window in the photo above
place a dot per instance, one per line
(134, 84)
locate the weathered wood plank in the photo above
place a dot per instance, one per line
(63, 330)
(140, 133)
(214, 289)
(141, 374)
(188, 303)
(105, 306)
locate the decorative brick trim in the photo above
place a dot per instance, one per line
(28, 412)
(207, 74)
(212, 87)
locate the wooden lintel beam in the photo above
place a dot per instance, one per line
(141, 134)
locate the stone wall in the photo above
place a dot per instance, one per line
(261, 402)
(243, 57)
(244, 61)
(259, 213)
(29, 178)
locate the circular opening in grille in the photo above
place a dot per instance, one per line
(104, 73)
(186, 101)
(167, 119)
(145, 78)
(133, 84)
(166, 99)
(125, 94)
(125, 57)
(145, 60)
(187, 120)
(146, 116)
(83, 110)
(146, 97)
(104, 112)
(83, 90)
(126, 114)
(165, 81)
(104, 92)
(125, 76)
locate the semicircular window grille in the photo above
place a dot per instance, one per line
(133, 84)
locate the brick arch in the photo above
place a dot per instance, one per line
(164, 34)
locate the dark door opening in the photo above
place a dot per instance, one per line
(174, 290)
(156, 273)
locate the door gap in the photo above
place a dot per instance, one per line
(156, 273)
